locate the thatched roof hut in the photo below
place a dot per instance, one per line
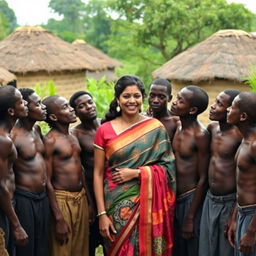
(6, 76)
(35, 55)
(222, 61)
(108, 62)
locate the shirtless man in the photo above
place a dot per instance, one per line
(31, 201)
(159, 95)
(221, 196)
(191, 145)
(12, 107)
(85, 110)
(65, 182)
(242, 114)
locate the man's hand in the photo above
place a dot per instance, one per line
(20, 235)
(247, 242)
(232, 233)
(62, 231)
(188, 228)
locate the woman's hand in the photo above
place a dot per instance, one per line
(125, 174)
(106, 227)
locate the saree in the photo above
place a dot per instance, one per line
(141, 210)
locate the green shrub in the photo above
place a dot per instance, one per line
(102, 92)
(44, 91)
(251, 80)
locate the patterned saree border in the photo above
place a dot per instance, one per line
(131, 135)
(145, 222)
(125, 233)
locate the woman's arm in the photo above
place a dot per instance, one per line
(105, 224)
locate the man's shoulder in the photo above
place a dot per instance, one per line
(6, 144)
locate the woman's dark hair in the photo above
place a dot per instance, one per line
(121, 84)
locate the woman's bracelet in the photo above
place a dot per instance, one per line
(101, 213)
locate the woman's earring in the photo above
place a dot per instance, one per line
(118, 108)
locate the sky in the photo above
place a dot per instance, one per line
(35, 12)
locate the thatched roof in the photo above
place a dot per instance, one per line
(96, 53)
(34, 49)
(227, 54)
(6, 76)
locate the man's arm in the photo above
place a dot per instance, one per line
(203, 155)
(20, 236)
(248, 240)
(61, 227)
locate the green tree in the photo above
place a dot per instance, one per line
(71, 10)
(4, 26)
(97, 23)
(8, 18)
(172, 26)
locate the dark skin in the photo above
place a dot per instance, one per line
(191, 149)
(30, 167)
(8, 154)
(245, 173)
(64, 169)
(158, 101)
(225, 140)
(85, 131)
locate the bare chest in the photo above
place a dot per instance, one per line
(184, 145)
(66, 147)
(28, 146)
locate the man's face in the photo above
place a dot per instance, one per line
(158, 98)
(218, 111)
(63, 111)
(85, 107)
(20, 107)
(233, 116)
(37, 110)
(181, 106)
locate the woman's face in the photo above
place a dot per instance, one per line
(130, 100)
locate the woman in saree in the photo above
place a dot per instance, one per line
(134, 177)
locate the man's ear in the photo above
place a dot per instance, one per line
(243, 117)
(53, 117)
(193, 111)
(11, 111)
(170, 98)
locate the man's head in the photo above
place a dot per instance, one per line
(36, 110)
(218, 111)
(84, 106)
(58, 111)
(159, 95)
(243, 109)
(12, 103)
(191, 100)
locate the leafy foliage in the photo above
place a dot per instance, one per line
(251, 80)
(97, 23)
(71, 25)
(44, 91)
(172, 26)
(4, 26)
(102, 92)
(7, 19)
(9, 15)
